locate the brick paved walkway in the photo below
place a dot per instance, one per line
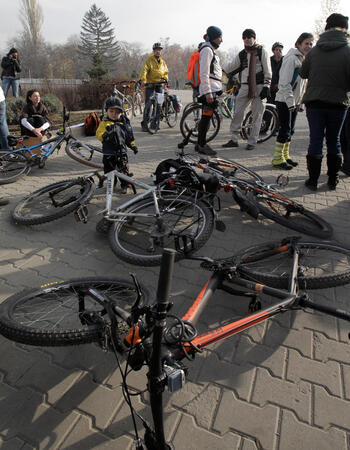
(281, 385)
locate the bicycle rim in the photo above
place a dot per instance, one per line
(290, 214)
(190, 121)
(321, 265)
(13, 165)
(52, 202)
(171, 114)
(57, 314)
(233, 170)
(268, 128)
(141, 240)
(85, 154)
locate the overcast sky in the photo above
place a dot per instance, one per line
(183, 21)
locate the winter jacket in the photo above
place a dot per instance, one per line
(115, 141)
(291, 87)
(153, 71)
(263, 64)
(210, 72)
(327, 67)
(11, 68)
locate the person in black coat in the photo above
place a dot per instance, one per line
(11, 67)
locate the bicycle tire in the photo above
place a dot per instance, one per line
(290, 214)
(269, 124)
(85, 154)
(152, 116)
(53, 201)
(131, 239)
(13, 165)
(51, 315)
(190, 120)
(170, 113)
(322, 265)
(137, 103)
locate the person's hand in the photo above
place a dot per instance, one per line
(37, 132)
(209, 98)
(265, 92)
(135, 150)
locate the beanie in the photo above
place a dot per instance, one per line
(212, 33)
(248, 33)
(337, 20)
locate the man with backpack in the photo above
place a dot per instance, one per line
(255, 74)
(210, 74)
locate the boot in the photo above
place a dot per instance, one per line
(334, 164)
(314, 163)
(278, 160)
(286, 155)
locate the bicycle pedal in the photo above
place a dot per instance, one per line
(81, 214)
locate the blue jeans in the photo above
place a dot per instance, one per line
(7, 82)
(325, 123)
(4, 131)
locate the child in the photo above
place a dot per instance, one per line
(116, 134)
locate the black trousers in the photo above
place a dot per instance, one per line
(287, 120)
(345, 143)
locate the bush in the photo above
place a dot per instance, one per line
(14, 106)
(52, 103)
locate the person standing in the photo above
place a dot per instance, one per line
(255, 75)
(276, 63)
(289, 95)
(210, 74)
(154, 70)
(327, 68)
(11, 68)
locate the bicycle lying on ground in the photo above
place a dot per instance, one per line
(18, 162)
(160, 106)
(224, 107)
(116, 313)
(138, 229)
(248, 189)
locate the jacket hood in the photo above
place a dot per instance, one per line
(292, 52)
(331, 40)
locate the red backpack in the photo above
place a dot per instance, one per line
(91, 124)
(193, 70)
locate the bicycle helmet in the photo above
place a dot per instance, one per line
(276, 44)
(114, 102)
(157, 45)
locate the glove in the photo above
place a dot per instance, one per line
(265, 92)
(135, 150)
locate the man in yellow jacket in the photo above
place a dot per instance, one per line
(154, 70)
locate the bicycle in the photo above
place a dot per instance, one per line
(127, 101)
(193, 113)
(17, 163)
(248, 189)
(160, 106)
(138, 101)
(116, 313)
(138, 229)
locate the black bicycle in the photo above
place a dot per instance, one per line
(160, 106)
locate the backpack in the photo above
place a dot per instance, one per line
(91, 124)
(193, 66)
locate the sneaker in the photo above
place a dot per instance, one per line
(206, 150)
(250, 147)
(231, 143)
(283, 166)
(291, 162)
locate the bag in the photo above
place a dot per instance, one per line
(91, 124)
(176, 103)
(193, 70)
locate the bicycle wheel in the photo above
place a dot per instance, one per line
(63, 313)
(288, 213)
(269, 124)
(137, 103)
(233, 170)
(170, 113)
(321, 265)
(152, 116)
(140, 239)
(88, 155)
(54, 201)
(190, 120)
(13, 165)
(127, 106)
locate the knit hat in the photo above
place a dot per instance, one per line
(336, 20)
(248, 33)
(212, 33)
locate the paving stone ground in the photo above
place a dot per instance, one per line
(281, 385)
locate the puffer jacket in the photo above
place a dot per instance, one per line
(327, 67)
(153, 71)
(291, 87)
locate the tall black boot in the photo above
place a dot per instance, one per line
(334, 164)
(314, 163)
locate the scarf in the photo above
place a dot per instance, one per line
(252, 70)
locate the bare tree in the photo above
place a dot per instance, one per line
(327, 8)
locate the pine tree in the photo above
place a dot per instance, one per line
(97, 41)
